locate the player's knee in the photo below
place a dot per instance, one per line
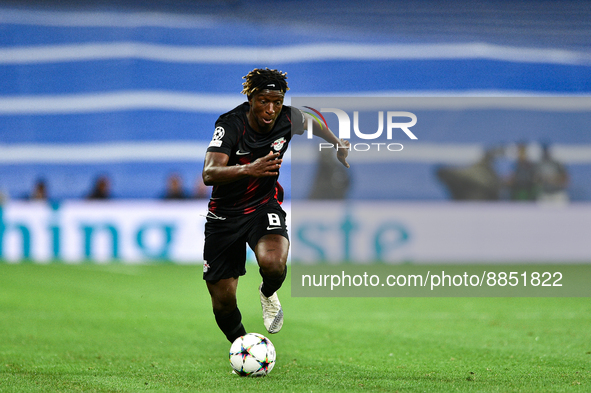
(223, 303)
(272, 265)
(223, 308)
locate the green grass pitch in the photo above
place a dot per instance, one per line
(122, 328)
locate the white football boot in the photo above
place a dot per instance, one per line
(272, 312)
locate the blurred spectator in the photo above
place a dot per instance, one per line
(332, 178)
(478, 181)
(174, 187)
(522, 181)
(39, 191)
(551, 178)
(201, 190)
(101, 190)
(3, 197)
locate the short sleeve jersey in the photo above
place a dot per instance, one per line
(234, 136)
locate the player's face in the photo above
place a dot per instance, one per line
(264, 109)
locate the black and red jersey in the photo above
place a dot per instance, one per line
(234, 136)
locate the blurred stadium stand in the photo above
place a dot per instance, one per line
(132, 92)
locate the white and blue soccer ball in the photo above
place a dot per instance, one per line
(252, 355)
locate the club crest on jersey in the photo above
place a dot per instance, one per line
(278, 144)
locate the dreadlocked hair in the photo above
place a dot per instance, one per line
(258, 77)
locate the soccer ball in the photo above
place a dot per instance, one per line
(252, 355)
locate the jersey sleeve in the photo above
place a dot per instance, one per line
(224, 138)
(297, 121)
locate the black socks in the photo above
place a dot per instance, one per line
(272, 284)
(231, 324)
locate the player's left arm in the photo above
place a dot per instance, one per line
(342, 146)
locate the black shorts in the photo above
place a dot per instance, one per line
(224, 253)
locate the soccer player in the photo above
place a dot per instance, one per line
(242, 164)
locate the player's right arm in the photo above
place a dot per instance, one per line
(217, 172)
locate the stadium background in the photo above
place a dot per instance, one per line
(111, 88)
